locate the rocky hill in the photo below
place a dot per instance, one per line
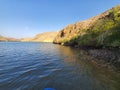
(101, 30)
(44, 37)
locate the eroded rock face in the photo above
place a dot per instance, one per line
(44, 37)
(96, 25)
(74, 30)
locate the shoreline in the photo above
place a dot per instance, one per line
(106, 56)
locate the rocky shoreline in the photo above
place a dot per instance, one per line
(105, 57)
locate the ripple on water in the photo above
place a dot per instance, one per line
(35, 66)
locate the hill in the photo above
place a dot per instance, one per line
(2, 38)
(101, 30)
(8, 39)
(43, 37)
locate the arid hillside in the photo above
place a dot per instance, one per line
(101, 30)
(43, 37)
(7, 39)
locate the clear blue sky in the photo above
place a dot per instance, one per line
(25, 18)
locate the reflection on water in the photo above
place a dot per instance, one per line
(35, 66)
(100, 76)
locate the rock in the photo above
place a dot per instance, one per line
(102, 57)
(103, 54)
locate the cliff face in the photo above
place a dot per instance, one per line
(101, 30)
(44, 37)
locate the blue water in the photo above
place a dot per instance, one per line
(36, 66)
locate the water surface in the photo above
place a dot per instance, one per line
(35, 66)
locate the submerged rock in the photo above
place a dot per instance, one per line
(111, 57)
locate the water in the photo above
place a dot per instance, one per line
(35, 66)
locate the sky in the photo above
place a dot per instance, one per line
(26, 18)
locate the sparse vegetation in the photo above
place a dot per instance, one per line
(102, 30)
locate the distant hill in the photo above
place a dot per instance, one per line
(43, 37)
(7, 39)
(2, 38)
(101, 30)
